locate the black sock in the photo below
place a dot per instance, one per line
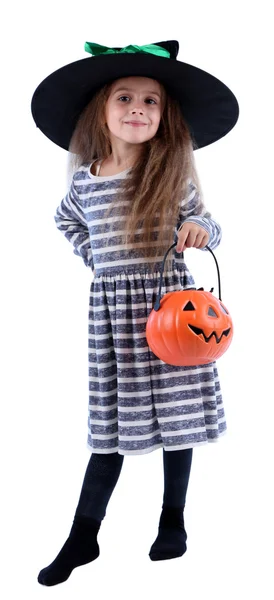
(177, 466)
(81, 547)
(100, 479)
(171, 539)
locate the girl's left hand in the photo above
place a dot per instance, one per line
(191, 235)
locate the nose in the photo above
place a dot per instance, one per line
(137, 109)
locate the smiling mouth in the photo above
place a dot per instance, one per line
(135, 123)
(199, 331)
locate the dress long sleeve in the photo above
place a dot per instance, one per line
(70, 220)
(193, 210)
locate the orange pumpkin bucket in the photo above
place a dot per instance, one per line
(189, 327)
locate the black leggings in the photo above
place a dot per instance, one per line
(103, 472)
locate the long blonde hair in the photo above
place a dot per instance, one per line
(158, 181)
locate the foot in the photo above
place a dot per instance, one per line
(80, 548)
(171, 539)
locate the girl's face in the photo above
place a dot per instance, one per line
(133, 109)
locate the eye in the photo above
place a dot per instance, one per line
(189, 306)
(150, 101)
(211, 312)
(122, 98)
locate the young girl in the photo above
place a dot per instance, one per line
(131, 118)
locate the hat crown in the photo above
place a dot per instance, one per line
(172, 46)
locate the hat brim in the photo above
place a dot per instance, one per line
(209, 107)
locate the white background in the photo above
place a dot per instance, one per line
(44, 309)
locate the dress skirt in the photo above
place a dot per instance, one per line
(137, 402)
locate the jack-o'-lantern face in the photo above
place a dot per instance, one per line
(191, 327)
(213, 327)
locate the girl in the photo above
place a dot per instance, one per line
(131, 119)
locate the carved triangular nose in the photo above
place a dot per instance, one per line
(189, 306)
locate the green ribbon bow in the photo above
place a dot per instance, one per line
(96, 49)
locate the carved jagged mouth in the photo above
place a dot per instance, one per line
(198, 331)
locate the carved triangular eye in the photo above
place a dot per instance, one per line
(211, 312)
(189, 306)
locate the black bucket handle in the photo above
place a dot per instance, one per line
(157, 301)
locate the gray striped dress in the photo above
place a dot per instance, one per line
(137, 403)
